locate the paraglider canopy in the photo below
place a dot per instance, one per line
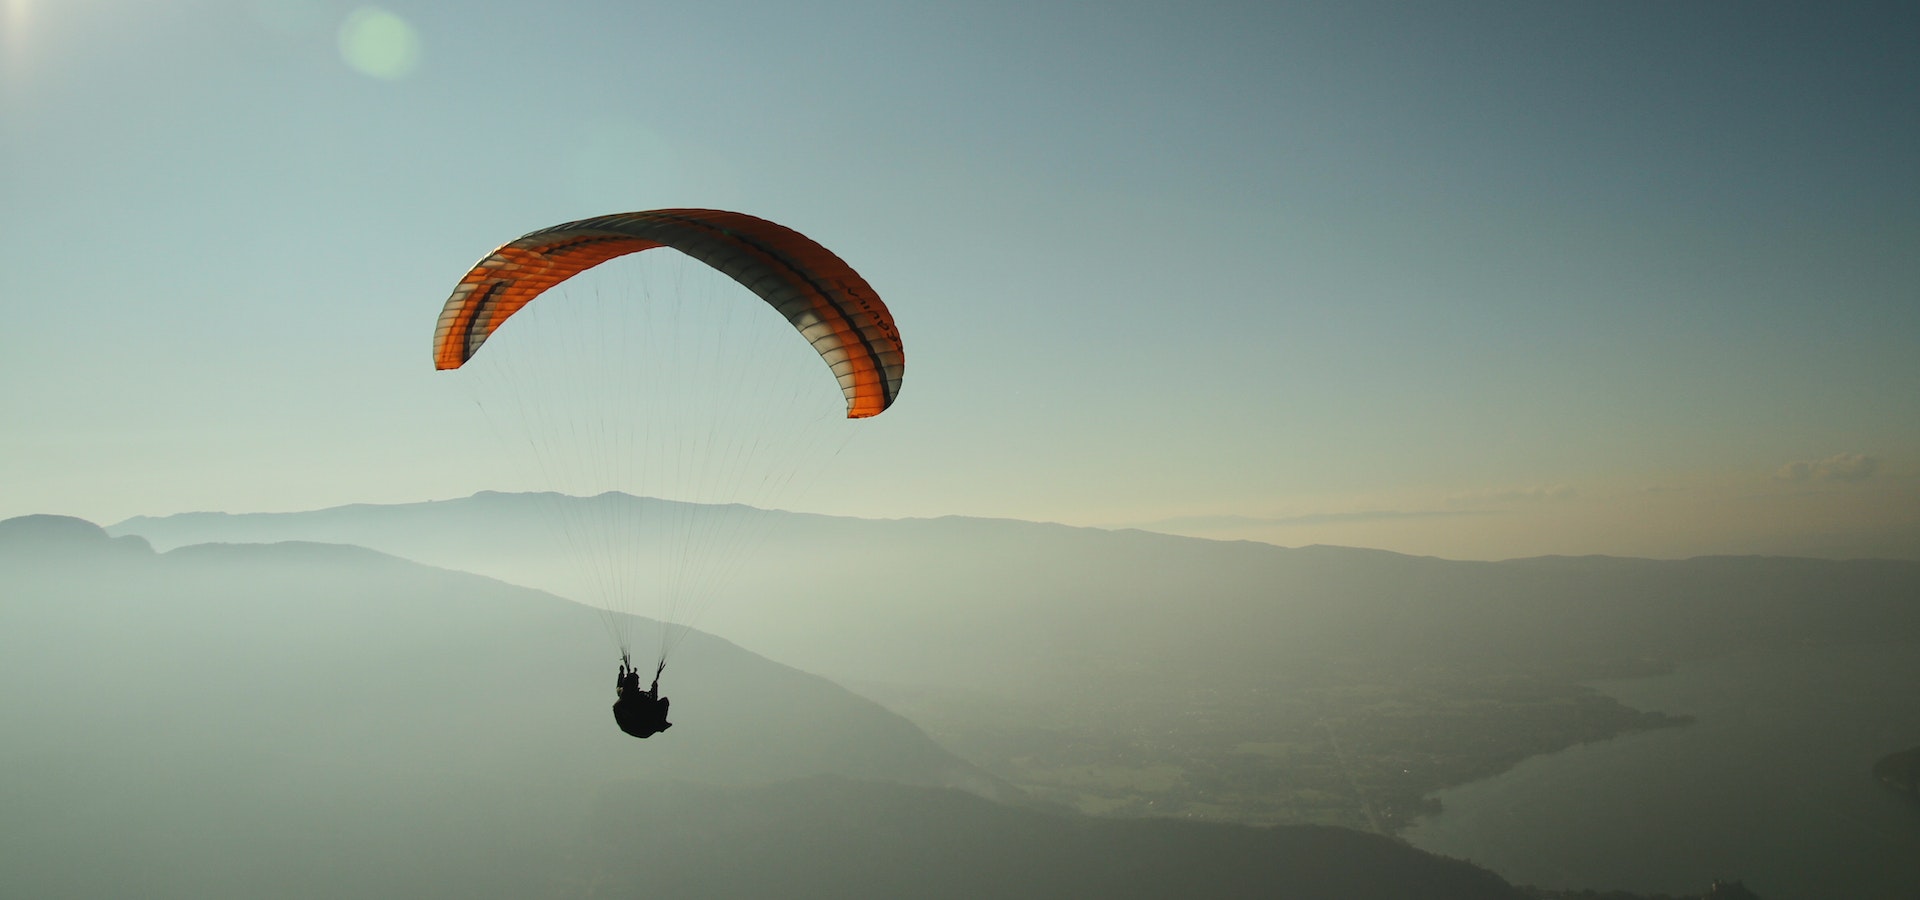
(825, 299)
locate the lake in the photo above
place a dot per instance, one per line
(1770, 785)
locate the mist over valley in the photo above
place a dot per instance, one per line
(1130, 674)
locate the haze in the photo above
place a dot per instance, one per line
(1346, 450)
(1483, 282)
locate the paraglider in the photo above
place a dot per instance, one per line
(642, 714)
(819, 295)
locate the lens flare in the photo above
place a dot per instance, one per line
(376, 42)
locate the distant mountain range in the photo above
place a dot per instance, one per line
(1136, 673)
(1030, 607)
(275, 648)
(317, 720)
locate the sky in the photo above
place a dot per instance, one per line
(1476, 280)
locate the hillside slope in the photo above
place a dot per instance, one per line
(312, 720)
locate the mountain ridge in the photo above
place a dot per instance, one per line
(199, 604)
(310, 719)
(817, 578)
(1386, 676)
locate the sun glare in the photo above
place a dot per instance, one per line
(15, 21)
(13, 40)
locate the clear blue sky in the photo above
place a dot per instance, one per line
(1479, 280)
